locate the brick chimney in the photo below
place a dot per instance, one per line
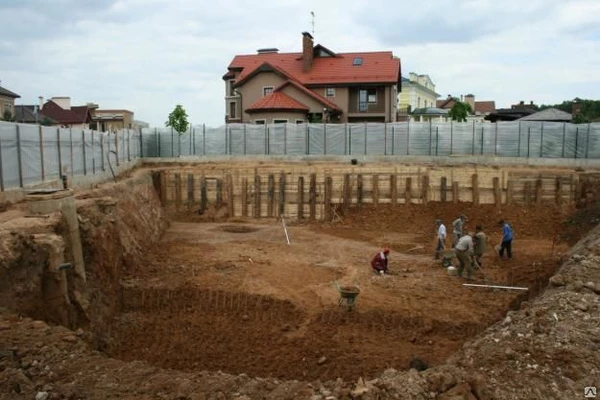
(470, 98)
(307, 51)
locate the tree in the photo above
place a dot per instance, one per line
(589, 109)
(459, 111)
(7, 116)
(178, 119)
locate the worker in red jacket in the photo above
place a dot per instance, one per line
(380, 261)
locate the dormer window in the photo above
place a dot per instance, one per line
(267, 90)
(357, 61)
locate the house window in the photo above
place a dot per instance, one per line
(230, 88)
(357, 61)
(280, 121)
(267, 90)
(300, 121)
(232, 109)
(7, 107)
(330, 92)
(259, 121)
(366, 97)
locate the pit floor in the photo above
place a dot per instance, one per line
(234, 296)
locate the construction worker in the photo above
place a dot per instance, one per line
(464, 252)
(457, 229)
(380, 261)
(441, 238)
(480, 244)
(507, 237)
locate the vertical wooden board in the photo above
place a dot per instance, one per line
(178, 189)
(190, 190)
(443, 189)
(497, 193)
(394, 189)
(558, 192)
(359, 190)
(163, 186)
(300, 197)
(327, 198)
(408, 190)
(509, 192)
(475, 184)
(375, 185)
(230, 198)
(455, 192)
(346, 194)
(538, 191)
(527, 193)
(219, 192)
(425, 189)
(257, 189)
(244, 195)
(203, 194)
(281, 197)
(270, 195)
(312, 197)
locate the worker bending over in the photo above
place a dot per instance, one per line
(380, 261)
(464, 253)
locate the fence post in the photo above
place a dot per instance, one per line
(60, 171)
(102, 136)
(41, 152)
(576, 140)
(542, 141)
(345, 138)
(230, 147)
(587, 142)
(83, 152)
(407, 137)
(437, 140)
(245, 140)
(116, 148)
(141, 143)
(268, 140)
(496, 139)
(1, 171)
(204, 139)
(385, 138)
(191, 134)
(157, 136)
(430, 138)
(193, 139)
(128, 145)
(366, 130)
(393, 135)
(451, 136)
(528, 140)
(482, 130)
(473, 143)
(18, 133)
(93, 155)
(173, 142)
(350, 140)
(519, 142)
(564, 136)
(325, 139)
(178, 143)
(307, 137)
(71, 150)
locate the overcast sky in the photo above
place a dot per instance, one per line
(149, 55)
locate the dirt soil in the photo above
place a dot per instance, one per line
(229, 310)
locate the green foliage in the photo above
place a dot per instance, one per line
(46, 122)
(459, 111)
(7, 116)
(178, 119)
(590, 110)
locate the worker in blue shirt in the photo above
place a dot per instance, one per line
(507, 237)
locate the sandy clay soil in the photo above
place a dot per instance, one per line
(235, 297)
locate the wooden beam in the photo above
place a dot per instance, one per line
(497, 193)
(375, 189)
(509, 192)
(455, 191)
(219, 194)
(425, 190)
(178, 190)
(475, 185)
(443, 189)
(312, 197)
(230, 199)
(495, 286)
(281, 197)
(203, 194)
(190, 190)
(558, 193)
(327, 199)
(257, 189)
(346, 194)
(244, 197)
(538, 191)
(300, 197)
(394, 189)
(359, 190)
(527, 193)
(408, 190)
(270, 195)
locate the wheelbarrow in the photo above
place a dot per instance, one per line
(348, 295)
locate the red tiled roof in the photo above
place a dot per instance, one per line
(76, 115)
(309, 92)
(277, 101)
(376, 67)
(485, 107)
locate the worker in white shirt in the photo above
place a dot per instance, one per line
(441, 238)
(465, 252)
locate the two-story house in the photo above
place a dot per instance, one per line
(417, 91)
(7, 103)
(316, 85)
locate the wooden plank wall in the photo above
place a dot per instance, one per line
(319, 194)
